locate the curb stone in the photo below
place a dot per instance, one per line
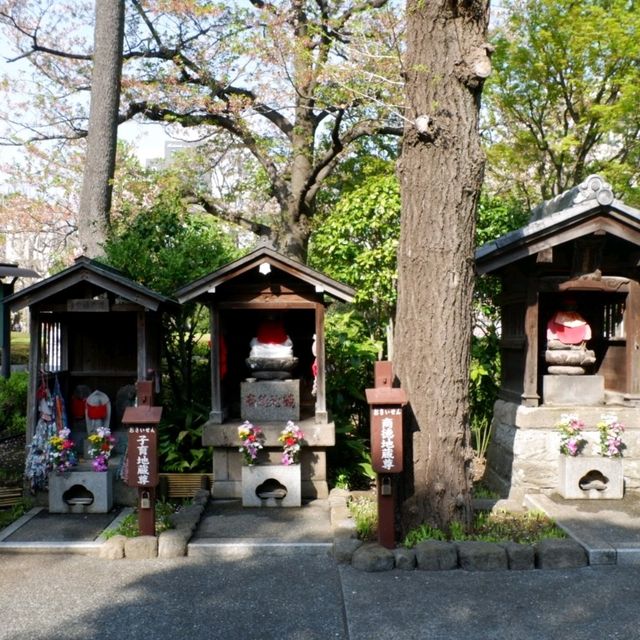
(438, 555)
(481, 556)
(173, 543)
(372, 557)
(405, 558)
(141, 548)
(560, 554)
(113, 548)
(520, 556)
(169, 544)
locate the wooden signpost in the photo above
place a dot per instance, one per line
(386, 405)
(142, 455)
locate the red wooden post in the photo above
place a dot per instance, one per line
(142, 452)
(386, 446)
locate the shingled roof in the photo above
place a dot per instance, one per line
(265, 255)
(587, 208)
(94, 272)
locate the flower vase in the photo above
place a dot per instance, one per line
(590, 477)
(271, 485)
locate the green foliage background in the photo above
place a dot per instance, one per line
(165, 246)
(13, 403)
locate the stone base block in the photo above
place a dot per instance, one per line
(594, 478)
(573, 390)
(272, 481)
(270, 400)
(81, 492)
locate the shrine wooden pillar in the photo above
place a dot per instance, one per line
(632, 331)
(530, 395)
(321, 390)
(216, 415)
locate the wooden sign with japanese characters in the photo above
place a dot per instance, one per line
(386, 439)
(143, 457)
(142, 451)
(386, 427)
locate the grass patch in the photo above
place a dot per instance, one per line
(526, 528)
(129, 525)
(19, 348)
(9, 516)
(365, 514)
(481, 491)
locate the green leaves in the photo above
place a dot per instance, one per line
(356, 243)
(562, 101)
(165, 247)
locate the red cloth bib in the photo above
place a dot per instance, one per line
(96, 412)
(271, 332)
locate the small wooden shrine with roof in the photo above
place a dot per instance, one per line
(91, 326)
(266, 292)
(577, 260)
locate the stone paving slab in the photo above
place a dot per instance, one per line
(67, 527)
(608, 529)
(226, 520)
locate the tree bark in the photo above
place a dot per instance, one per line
(440, 174)
(95, 197)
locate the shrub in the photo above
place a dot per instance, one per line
(13, 404)
(16, 511)
(129, 525)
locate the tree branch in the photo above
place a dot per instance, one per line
(228, 215)
(327, 163)
(236, 128)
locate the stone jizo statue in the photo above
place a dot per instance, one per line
(567, 336)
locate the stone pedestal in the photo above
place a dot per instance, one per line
(573, 390)
(81, 492)
(270, 400)
(272, 480)
(590, 477)
(228, 461)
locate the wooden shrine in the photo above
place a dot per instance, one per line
(92, 327)
(267, 289)
(578, 259)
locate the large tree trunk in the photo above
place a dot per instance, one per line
(441, 174)
(95, 197)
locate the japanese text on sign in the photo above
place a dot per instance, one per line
(387, 411)
(142, 460)
(142, 453)
(387, 444)
(386, 439)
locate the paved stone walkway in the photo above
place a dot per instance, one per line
(306, 598)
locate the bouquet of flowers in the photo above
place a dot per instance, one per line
(63, 454)
(101, 442)
(610, 429)
(571, 440)
(291, 438)
(252, 439)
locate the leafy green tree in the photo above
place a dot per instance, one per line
(562, 100)
(495, 217)
(356, 242)
(164, 247)
(350, 357)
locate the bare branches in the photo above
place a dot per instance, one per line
(213, 208)
(36, 47)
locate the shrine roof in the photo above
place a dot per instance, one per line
(8, 270)
(101, 275)
(585, 209)
(262, 260)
